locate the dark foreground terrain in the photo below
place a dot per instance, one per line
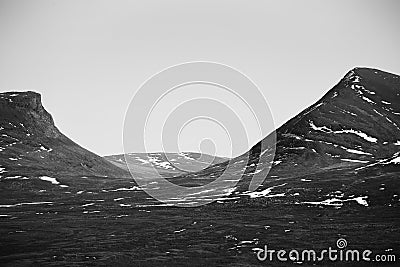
(115, 223)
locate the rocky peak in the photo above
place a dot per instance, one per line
(26, 107)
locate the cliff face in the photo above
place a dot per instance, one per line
(30, 143)
(27, 108)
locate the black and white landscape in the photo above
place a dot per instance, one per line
(335, 174)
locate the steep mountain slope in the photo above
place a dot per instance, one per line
(350, 134)
(31, 145)
(356, 122)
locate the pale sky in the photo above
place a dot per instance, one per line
(87, 58)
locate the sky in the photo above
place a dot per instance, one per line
(89, 58)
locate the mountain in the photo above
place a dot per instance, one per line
(350, 134)
(354, 123)
(31, 145)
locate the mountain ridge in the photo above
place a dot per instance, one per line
(354, 124)
(353, 128)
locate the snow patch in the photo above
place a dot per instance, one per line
(156, 161)
(25, 203)
(45, 149)
(263, 193)
(368, 100)
(16, 177)
(184, 155)
(49, 179)
(133, 188)
(351, 131)
(339, 202)
(395, 160)
(142, 160)
(87, 205)
(357, 151)
(355, 160)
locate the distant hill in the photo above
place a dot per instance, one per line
(167, 164)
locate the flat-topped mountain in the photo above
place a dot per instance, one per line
(31, 145)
